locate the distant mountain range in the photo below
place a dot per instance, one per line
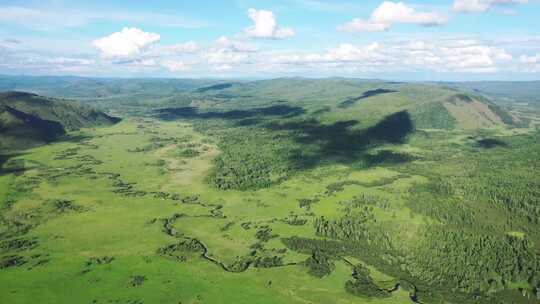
(27, 119)
(97, 88)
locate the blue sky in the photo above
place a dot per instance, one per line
(401, 40)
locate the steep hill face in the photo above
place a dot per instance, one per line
(28, 119)
(472, 112)
(462, 111)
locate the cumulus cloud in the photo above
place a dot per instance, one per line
(459, 56)
(126, 43)
(480, 6)
(345, 54)
(389, 13)
(463, 56)
(348, 52)
(266, 26)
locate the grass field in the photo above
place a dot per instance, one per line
(138, 212)
(62, 263)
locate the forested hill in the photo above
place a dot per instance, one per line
(430, 106)
(27, 119)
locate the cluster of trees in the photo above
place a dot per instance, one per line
(319, 264)
(387, 261)
(264, 234)
(355, 227)
(346, 228)
(18, 244)
(362, 200)
(362, 285)
(488, 218)
(470, 262)
(268, 261)
(63, 205)
(99, 260)
(331, 248)
(12, 261)
(189, 152)
(307, 202)
(182, 250)
(294, 220)
(137, 280)
(251, 158)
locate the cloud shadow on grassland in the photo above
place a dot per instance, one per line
(283, 111)
(317, 142)
(342, 143)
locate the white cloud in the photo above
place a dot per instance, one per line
(70, 61)
(480, 6)
(235, 46)
(349, 52)
(224, 67)
(126, 43)
(447, 56)
(176, 66)
(224, 56)
(530, 59)
(343, 53)
(463, 56)
(265, 26)
(186, 47)
(359, 25)
(226, 52)
(389, 13)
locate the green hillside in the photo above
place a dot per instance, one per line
(335, 99)
(27, 119)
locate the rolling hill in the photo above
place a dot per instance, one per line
(27, 119)
(431, 106)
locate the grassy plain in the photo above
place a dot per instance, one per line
(276, 205)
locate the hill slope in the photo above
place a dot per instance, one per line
(28, 119)
(431, 106)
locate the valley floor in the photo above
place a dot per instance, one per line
(130, 214)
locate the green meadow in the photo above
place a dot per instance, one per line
(279, 202)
